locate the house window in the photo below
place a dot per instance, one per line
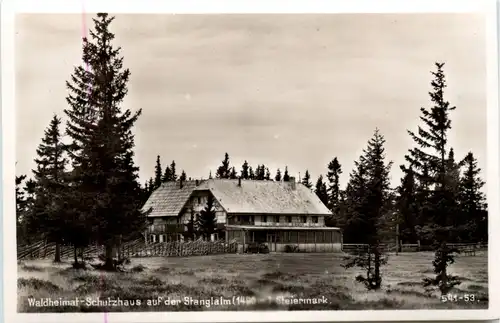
(289, 219)
(252, 219)
(199, 200)
(304, 219)
(278, 219)
(264, 218)
(315, 219)
(238, 218)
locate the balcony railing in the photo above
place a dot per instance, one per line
(170, 228)
(288, 224)
(175, 228)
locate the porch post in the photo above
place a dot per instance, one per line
(244, 239)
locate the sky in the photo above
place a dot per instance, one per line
(295, 90)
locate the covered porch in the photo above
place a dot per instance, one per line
(306, 239)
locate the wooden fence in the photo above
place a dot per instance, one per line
(467, 249)
(138, 248)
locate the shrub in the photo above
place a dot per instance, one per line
(291, 248)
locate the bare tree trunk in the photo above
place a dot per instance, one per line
(75, 254)
(378, 279)
(108, 264)
(57, 257)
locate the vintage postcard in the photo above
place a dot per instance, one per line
(249, 161)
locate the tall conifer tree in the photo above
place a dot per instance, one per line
(431, 152)
(224, 170)
(473, 201)
(158, 172)
(306, 181)
(371, 203)
(50, 175)
(108, 195)
(277, 178)
(321, 190)
(244, 171)
(286, 177)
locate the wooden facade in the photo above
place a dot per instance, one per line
(305, 231)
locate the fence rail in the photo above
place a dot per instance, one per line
(138, 248)
(464, 248)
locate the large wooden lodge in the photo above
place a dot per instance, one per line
(270, 212)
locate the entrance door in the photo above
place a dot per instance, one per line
(271, 242)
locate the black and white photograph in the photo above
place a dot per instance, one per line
(228, 162)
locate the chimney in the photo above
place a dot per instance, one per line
(181, 182)
(196, 182)
(292, 182)
(239, 181)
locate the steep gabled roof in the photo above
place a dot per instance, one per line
(264, 197)
(169, 198)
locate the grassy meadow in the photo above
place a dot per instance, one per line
(262, 278)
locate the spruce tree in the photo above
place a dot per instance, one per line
(20, 199)
(108, 197)
(158, 173)
(321, 190)
(167, 175)
(51, 180)
(207, 221)
(373, 197)
(431, 152)
(20, 209)
(244, 171)
(333, 175)
(286, 177)
(268, 174)
(251, 174)
(151, 186)
(277, 178)
(407, 207)
(29, 216)
(355, 204)
(232, 174)
(173, 172)
(453, 169)
(306, 181)
(472, 201)
(224, 171)
(260, 174)
(183, 176)
(423, 203)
